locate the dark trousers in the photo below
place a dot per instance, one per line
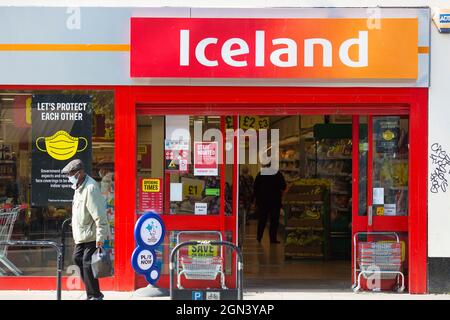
(82, 258)
(268, 213)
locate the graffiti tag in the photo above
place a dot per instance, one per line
(441, 161)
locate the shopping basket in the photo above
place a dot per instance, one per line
(378, 258)
(7, 219)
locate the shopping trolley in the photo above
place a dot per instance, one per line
(200, 268)
(7, 219)
(203, 268)
(378, 258)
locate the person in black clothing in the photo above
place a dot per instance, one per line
(268, 190)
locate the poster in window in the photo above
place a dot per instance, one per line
(61, 130)
(387, 131)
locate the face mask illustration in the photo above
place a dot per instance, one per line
(61, 145)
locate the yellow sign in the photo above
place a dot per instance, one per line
(254, 122)
(249, 122)
(28, 111)
(380, 211)
(151, 185)
(202, 250)
(142, 149)
(388, 135)
(192, 187)
(61, 145)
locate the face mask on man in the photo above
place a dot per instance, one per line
(73, 180)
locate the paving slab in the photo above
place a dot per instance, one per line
(248, 295)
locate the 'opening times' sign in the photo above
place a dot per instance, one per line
(150, 195)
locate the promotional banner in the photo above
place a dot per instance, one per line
(61, 132)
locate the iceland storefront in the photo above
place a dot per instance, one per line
(345, 94)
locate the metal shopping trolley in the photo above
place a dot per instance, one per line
(203, 268)
(378, 258)
(7, 219)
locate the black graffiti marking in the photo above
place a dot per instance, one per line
(441, 160)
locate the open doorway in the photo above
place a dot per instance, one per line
(315, 221)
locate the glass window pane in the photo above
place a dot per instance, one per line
(44, 222)
(164, 143)
(390, 166)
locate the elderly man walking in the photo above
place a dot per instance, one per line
(90, 226)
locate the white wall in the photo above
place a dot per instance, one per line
(439, 132)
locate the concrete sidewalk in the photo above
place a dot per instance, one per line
(248, 295)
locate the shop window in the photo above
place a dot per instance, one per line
(166, 153)
(40, 217)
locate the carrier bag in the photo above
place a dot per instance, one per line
(101, 264)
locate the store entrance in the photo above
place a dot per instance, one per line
(314, 223)
(326, 178)
(331, 168)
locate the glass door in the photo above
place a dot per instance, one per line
(184, 155)
(380, 183)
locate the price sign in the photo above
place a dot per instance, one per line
(263, 123)
(254, 122)
(249, 122)
(192, 187)
(229, 122)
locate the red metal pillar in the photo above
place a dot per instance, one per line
(125, 187)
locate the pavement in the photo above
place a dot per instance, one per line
(248, 295)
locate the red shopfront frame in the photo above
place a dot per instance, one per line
(249, 101)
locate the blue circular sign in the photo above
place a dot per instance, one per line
(153, 276)
(149, 231)
(143, 260)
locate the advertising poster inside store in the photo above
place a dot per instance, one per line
(205, 159)
(387, 131)
(61, 132)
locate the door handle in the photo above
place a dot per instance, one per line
(370, 215)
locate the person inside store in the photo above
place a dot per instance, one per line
(245, 193)
(268, 190)
(90, 226)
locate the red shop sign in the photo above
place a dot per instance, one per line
(309, 48)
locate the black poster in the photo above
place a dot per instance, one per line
(61, 132)
(387, 131)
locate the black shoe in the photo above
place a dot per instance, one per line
(97, 298)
